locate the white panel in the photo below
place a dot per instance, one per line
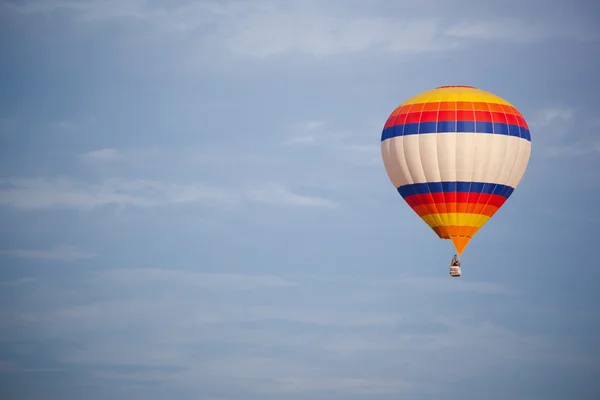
(516, 171)
(525, 163)
(469, 157)
(510, 160)
(428, 149)
(447, 157)
(483, 151)
(412, 153)
(523, 160)
(392, 152)
(498, 158)
(465, 150)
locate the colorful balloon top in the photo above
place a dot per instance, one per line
(456, 154)
(456, 109)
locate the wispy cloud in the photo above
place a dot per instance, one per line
(320, 31)
(89, 10)
(211, 281)
(64, 253)
(560, 133)
(516, 31)
(352, 386)
(346, 147)
(574, 149)
(302, 140)
(308, 31)
(447, 285)
(102, 155)
(138, 376)
(73, 125)
(279, 195)
(311, 133)
(7, 126)
(553, 121)
(17, 282)
(264, 29)
(361, 154)
(8, 366)
(325, 317)
(43, 193)
(278, 358)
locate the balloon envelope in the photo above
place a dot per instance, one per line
(455, 154)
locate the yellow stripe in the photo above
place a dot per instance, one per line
(457, 219)
(456, 94)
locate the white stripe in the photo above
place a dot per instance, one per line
(467, 157)
(521, 165)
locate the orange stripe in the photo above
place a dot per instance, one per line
(442, 208)
(455, 115)
(446, 232)
(457, 105)
(456, 110)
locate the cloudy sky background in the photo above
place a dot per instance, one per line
(193, 203)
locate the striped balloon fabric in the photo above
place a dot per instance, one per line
(455, 154)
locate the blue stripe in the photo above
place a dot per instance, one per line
(465, 187)
(456, 126)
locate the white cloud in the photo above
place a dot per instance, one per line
(548, 116)
(102, 155)
(312, 133)
(350, 386)
(552, 121)
(43, 193)
(7, 126)
(172, 321)
(338, 145)
(452, 285)
(236, 160)
(9, 366)
(17, 282)
(558, 133)
(212, 281)
(517, 31)
(574, 149)
(314, 125)
(263, 29)
(324, 316)
(268, 32)
(171, 327)
(74, 125)
(301, 140)
(278, 195)
(64, 253)
(361, 155)
(137, 376)
(267, 28)
(89, 10)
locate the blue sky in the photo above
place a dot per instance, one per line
(193, 203)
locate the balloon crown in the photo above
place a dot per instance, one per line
(457, 86)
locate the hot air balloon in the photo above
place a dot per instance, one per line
(455, 154)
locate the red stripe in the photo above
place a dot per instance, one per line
(454, 115)
(456, 105)
(413, 117)
(455, 197)
(522, 121)
(455, 111)
(512, 119)
(399, 119)
(445, 208)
